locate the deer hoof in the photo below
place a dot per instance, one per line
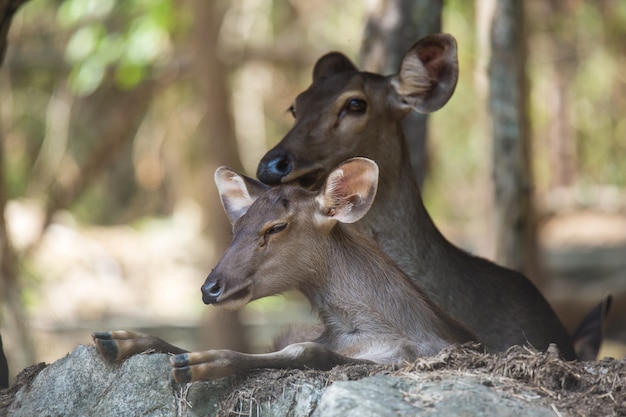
(179, 360)
(182, 375)
(108, 348)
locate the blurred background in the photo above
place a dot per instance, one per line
(114, 115)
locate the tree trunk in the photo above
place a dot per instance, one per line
(562, 138)
(10, 292)
(217, 146)
(392, 28)
(515, 227)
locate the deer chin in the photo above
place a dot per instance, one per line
(311, 178)
(234, 300)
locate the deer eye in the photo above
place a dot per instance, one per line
(292, 110)
(356, 105)
(277, 228)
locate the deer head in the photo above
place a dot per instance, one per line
(347, 113)
(280, 233)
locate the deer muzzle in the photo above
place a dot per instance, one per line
(221, 291)
(274, 166)
(211, 290)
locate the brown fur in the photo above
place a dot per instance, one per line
(290, 238)
(502, 307)
(336, 267)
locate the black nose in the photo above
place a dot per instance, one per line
(211, 289)
(273, 167)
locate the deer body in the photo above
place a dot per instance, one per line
(291, 238)
(340, 272)
(347, 113)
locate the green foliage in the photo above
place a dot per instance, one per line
(103, 46)
(129, 37)
(580, 48)
(458, 139)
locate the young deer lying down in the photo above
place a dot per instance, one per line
(290, 238)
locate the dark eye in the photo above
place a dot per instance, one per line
(356, 105)
(276, 229)
(292, 110)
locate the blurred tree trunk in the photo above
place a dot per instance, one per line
(562, 140)
(217, 147)
(10, 292)
(565, 65)
(117, 116)
(8, 8)
(515, 223)
(393, 26)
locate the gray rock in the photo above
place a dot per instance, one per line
(387, 396)
(375, 396)
(82, 384)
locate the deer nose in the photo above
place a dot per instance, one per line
(273, 167)
(211, 290)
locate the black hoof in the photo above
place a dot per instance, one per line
(101, 335)
(179, 360)
(182, 375)
(108, 348)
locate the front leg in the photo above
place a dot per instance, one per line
(214, 364)
(120, 344)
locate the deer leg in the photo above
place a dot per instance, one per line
(214, 364)
(120, 344)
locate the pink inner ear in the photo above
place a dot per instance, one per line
(234, 194)
(233, 187)
(334, 183)
(431, 56)
(429, 53)
(237, 193)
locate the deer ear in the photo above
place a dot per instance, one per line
(330, 64)
(428, 73)
(349, 190)
(237, 192)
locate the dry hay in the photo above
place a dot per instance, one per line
(569, 388)
(254, 388)
(23, 379)
(594, 388)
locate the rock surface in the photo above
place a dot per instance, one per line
(457, 382)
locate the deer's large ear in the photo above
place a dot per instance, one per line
(330, 64)
(428, 73)
(237, 192)
(349, 190)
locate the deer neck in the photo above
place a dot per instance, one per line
(364, 293)
(399, 222)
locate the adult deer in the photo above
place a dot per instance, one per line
(347, 113)
(290, 238)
